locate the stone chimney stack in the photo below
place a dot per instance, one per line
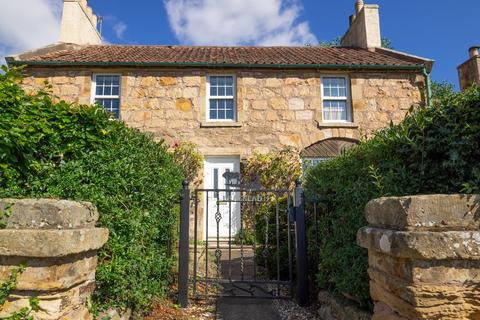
(474, 52)
(359, 6)
(79, 24)
(364, 30)
(469, 71)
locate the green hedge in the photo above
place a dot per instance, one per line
(60, 150)
(434, 150)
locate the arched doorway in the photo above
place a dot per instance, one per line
(324, 150)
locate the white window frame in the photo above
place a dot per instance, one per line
(234, 97)
(305, 160)
(346, 98)
(93, 95)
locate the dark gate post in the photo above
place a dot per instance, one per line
(184, 247)
(301, 245)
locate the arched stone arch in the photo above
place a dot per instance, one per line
(329, 148)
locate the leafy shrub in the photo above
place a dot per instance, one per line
(186, 154)
(61, 150)
(276, 170)
(434, 150)
(268, 258)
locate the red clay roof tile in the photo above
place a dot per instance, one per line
(265, 56)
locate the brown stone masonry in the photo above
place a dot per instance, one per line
(275, 108)
(57, 242)
(424, 257)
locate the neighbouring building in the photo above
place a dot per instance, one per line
(236, 101)
(469, 71)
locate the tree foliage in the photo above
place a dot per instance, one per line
(67, 151)
(276, 170)
(337, 42)
(434, 150)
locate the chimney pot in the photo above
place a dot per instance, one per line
(474, 51)
(359, 6)
(352, 19)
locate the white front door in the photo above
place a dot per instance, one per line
(229, 212)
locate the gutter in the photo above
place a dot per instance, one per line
(218, 65)
(428, 85)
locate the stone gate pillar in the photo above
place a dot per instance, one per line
(424, 256)
(57, 242)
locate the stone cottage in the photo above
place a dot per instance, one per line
(236, 101)
(469, 71)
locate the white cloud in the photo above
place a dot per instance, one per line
(119, 28)
(238, 22)
(28, 24)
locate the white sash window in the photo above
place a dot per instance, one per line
(336, 101)
(106, 93)
(221, 98)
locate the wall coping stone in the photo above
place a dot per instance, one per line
(423, 245)
(425, 212)
(48, 214)
(54, 243)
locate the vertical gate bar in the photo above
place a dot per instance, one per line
(266, 251)
(289, 228)
(218, 251)
(301, 243)
(183, 248)
(195, 243)
(206, 242)
(278, 243)
(317, 234)
(254, 215)
(230, 235)
(241, 245)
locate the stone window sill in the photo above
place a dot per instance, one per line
(350, 125)
(220, 125)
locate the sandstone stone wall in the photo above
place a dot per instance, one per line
(424, 256)
(57, 242)
(275, 108)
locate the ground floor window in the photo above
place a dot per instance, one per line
(308, 163)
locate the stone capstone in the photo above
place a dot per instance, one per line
(48, 214)
(435, 212)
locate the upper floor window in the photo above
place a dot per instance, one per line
(106, 92)
(221, 98)
(336, 102)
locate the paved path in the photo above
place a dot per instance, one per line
(246, 309)
(243, 308)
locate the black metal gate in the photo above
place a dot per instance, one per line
(250, 243)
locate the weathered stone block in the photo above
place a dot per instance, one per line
(168, 81)
(304, 115)
(296, 104)
(48, 214)
(184, 105)
(435, 212)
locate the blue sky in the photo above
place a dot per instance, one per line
(440, 30)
